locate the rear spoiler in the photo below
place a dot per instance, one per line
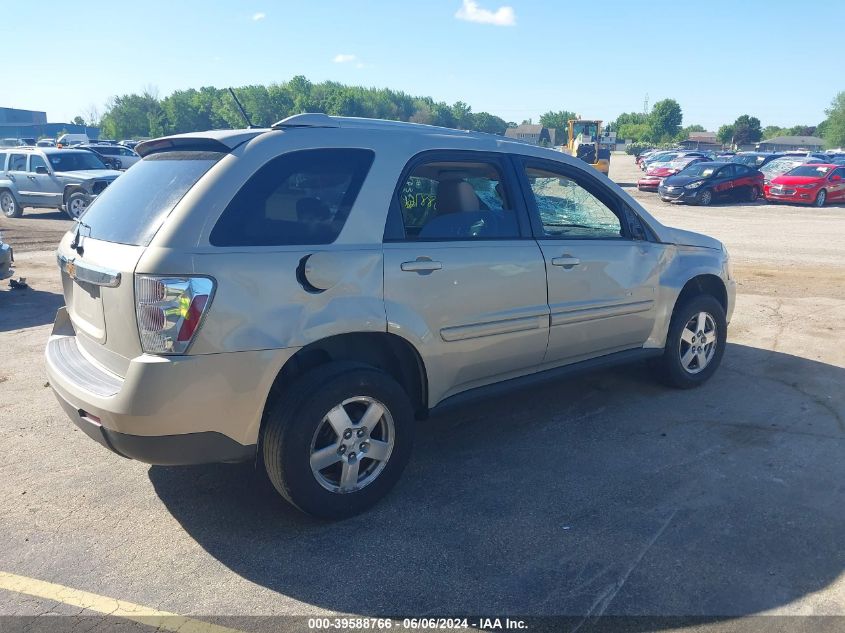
(218, 141)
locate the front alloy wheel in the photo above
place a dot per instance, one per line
(75, 205)
(697, 344)
(705, 198)
(821, 198)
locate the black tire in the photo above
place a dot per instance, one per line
(753, 194)
(74, 201)
(9, 205)
(705, 198)
(292, 424)
(821, 198)
(669, 367)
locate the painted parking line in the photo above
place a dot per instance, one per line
(108, 606)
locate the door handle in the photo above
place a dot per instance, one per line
(31, 177)
(422, 265)
(567, 261)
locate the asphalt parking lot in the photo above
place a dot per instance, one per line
(603, 494)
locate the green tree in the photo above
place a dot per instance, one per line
(684, 133)
(725, 134)
(78, 120)
(486, 122)
(560, 122)
(636, 132)
(773, 131)
(665, 120)
(834, 126)
(629, 118)
(746, 129)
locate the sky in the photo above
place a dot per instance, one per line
(513, 58)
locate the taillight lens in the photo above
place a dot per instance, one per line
(170, 311)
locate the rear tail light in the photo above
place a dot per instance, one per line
(170, 311)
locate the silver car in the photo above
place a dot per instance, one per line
(49, 178)
(303, 296)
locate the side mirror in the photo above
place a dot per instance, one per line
(41, 170)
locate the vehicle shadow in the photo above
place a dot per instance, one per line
(602, 494)
(28, 307)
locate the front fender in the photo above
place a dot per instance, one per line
(687, 263)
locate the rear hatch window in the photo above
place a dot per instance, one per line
(133, 208)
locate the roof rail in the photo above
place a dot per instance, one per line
(307, 119)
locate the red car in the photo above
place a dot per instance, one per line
(657, 172)
(808, 184)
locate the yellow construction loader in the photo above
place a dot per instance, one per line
(585, 142)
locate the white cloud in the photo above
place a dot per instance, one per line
(257, 17)
(344, 58)
(471, 12)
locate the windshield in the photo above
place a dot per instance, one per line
(702, 170)
(814, 171)
(133, 207)
(75, 161)
(778, 167)
(750, 160)
(664, 157)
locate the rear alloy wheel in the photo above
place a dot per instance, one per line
(705, 198)
(753, 194)
(821, 198)
(75, 205)
(10, 206)
(337, 440)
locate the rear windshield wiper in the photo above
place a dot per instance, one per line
(76, 244)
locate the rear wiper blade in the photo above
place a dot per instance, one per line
(76, 244)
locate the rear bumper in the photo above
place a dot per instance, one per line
(165, 410)
(649, 184)
(165, 450)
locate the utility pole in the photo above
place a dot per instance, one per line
(645, 104)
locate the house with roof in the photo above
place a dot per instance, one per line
(534, 134)
(789, 143)
(701, 140)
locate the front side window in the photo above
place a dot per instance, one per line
(36, 161)
(299, 198)
(567, 210)
(17, 162)
(456, 200)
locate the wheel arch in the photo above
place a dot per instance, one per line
(706, 283)
(385, 351)
(71, 189)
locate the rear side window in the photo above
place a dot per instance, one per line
(295, 199)
(134, 206)
(3, 161)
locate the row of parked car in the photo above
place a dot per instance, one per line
(700, 177)
(52, 178)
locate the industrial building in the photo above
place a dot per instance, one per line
(16, 123)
